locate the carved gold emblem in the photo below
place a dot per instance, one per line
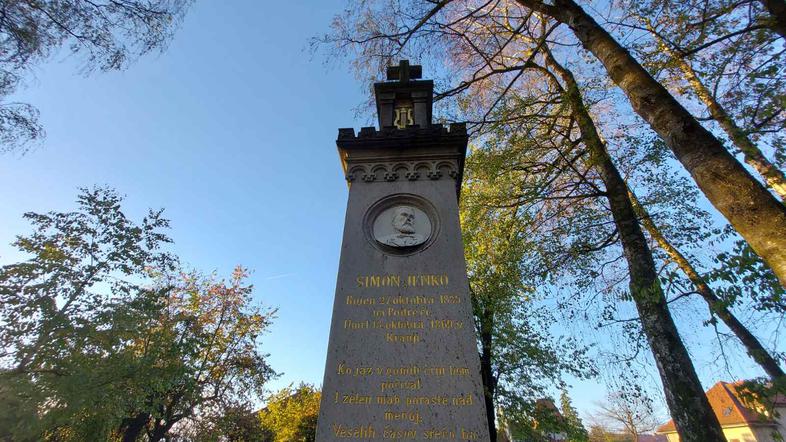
(403, 117)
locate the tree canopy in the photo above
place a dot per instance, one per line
(291, 414)
(107, 337)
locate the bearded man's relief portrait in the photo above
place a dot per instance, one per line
(402, 226)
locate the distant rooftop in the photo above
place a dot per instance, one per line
(729, 407)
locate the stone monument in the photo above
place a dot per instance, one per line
(402, 359)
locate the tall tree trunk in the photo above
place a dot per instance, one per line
(134, 427)
(160, 430)
(777, 9)
(688, 405)
(752, 210)
(158, 434)
(753, 156)
(752, 345)
(486, 370)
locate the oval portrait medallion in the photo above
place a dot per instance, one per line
(401, 224)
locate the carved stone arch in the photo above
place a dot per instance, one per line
(396, 171)
(423, 168)
(379, 168)
(372, 172)
(447, 168)
(401, 168)
(390, 171)
(356, 172)
(380, 171)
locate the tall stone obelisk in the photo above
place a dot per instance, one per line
(402, 359)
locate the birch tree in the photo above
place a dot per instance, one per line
(725, 62)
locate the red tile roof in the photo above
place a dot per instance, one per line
(729, 408)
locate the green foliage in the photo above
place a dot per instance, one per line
(740, 276)
(520, 358)
(235, 425)
(105, 336)
(600, 434)
(291, 414)
(57, 320)
(544, 422)
(574, 427)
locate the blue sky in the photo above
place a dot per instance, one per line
(232, 131)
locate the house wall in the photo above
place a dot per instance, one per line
(745, 434)
(766, 434)
(741, 434)
(780, 418)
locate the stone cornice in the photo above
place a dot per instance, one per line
(410, 154)
(435, 135)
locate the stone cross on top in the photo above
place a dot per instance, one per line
(404, 72)
(404, 100)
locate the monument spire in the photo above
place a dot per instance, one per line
(402, 359)
(404, 100)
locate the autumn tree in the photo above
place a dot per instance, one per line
(720, 304)
(235, 425)
(46, 296)
(602, 180)
(207, 339)
(628, 412)
(104, 34)
(291, 414)
(722, 59)
(599, 433)
(106, 338)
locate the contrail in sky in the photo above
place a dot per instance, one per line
(279, 276)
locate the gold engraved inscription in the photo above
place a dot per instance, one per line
(412, 416)
(376, 281)
(356, 325)
(352, 399)
(402, 312)
(354, 432)
(417, 280)
(449, 299)
(446, 324)
(468, 435)
(439, 434)
(400, 385)
(427, 280)
(398, 433)
(394, 338)
(353, 300)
